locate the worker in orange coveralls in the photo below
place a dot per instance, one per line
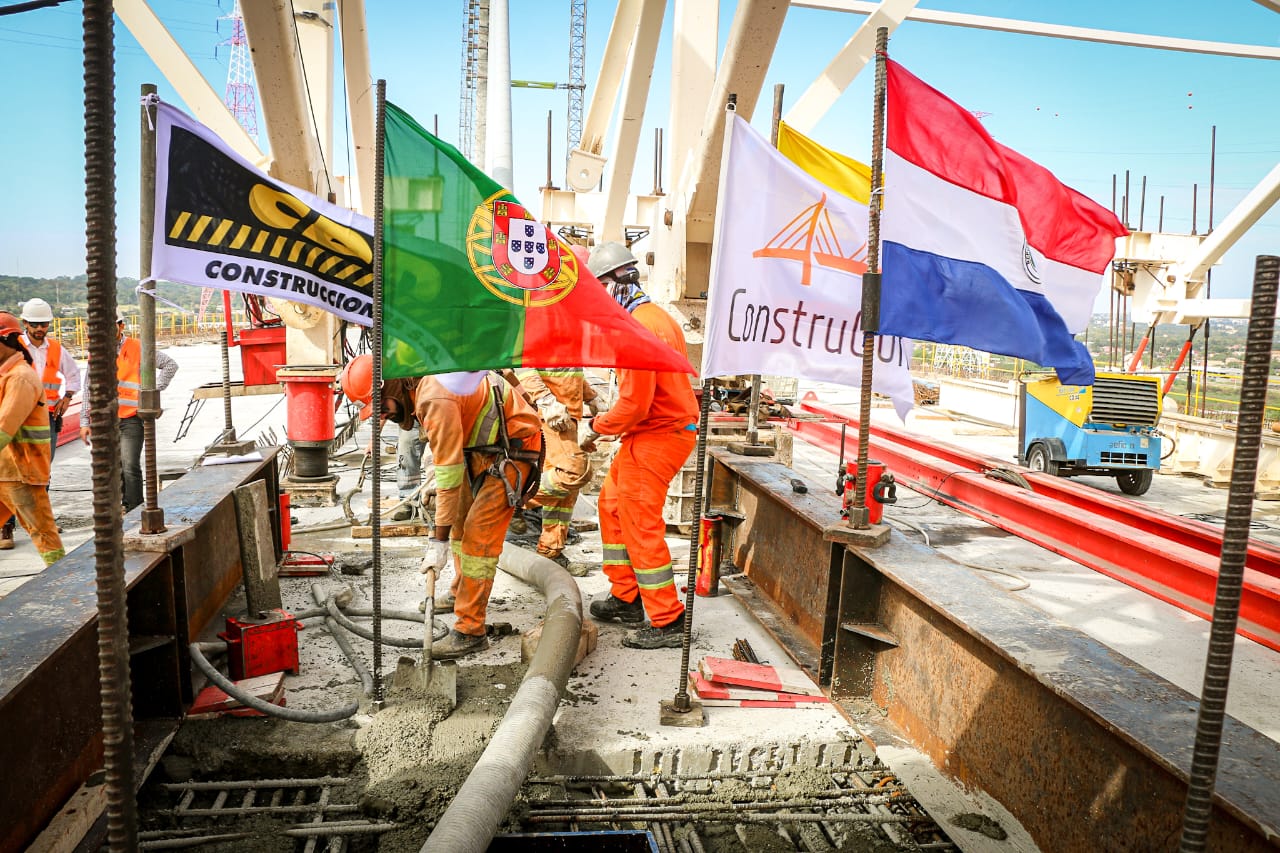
(559, 394)
(24, 444)
(487, 448)
(656, 414)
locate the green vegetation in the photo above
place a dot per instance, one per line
(69, 296)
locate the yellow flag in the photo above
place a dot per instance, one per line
(843, 174)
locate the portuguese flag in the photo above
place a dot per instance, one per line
(471, 281)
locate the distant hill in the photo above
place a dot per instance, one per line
(69, 295)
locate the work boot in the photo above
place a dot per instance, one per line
(458, 645)
(518, 525)
(611, 608)
(6, 539)
(667, 637)
(443, 604)
(402, 513)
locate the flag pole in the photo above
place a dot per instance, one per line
(859, 518)
(375, 510)
(681, 710)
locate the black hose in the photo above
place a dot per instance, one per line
(296, 715)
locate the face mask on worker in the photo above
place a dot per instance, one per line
(624, 287)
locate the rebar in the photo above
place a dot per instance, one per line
(858, 515)
(375, 513)
(318, 782)
(689, 777)
(740, 817)
(100, 267)
(228, 425)
(742, 651)
(1235, 540)
(681, 700)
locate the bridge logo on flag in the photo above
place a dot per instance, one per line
(811, 238)
(516, 258)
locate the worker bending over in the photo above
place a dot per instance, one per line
(656, 415)
(487, 448)
(24, 444)
(559, 393)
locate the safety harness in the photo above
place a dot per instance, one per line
(506, 451)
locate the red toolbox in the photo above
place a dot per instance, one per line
(262, 646)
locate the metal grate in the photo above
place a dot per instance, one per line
(304, 811)
(860, 807)
(1111, 458)
(1133, 402)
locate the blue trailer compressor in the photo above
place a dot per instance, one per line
(1107, 429)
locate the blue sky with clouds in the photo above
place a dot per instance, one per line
(1086, 111)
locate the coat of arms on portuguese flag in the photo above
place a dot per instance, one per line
(471, 281)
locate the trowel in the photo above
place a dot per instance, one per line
(427, 678)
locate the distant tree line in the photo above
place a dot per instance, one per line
(70, 298)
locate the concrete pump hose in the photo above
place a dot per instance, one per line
(293, 714)
(485, 799)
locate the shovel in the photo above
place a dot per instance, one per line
(428, 679)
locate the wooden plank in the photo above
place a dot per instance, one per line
(707, 690)
(365, 531)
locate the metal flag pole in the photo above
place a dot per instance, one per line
(148, 396)
(375, 510)
(681, 710)
(1235, 540)
(859, 518)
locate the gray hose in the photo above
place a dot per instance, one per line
(485, 798)
(248, 699)
(366, 680)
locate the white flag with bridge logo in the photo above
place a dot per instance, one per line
(786, 277)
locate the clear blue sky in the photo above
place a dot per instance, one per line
(1086, 111)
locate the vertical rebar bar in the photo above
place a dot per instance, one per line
(858, 516)
(1125, 202)
(681, 699)
(1195, 188)
(148, 396)
(375, 510)
(100, 267)
(228, 426)
(1142, 203)
(1235, 539)
(1160, 221)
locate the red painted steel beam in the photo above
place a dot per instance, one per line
(1170, 571)
(1136, 515)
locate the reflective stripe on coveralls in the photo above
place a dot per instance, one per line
(636, 557)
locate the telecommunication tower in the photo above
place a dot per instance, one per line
(240, 96)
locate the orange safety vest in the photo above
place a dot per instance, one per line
(129, 376)
(52, 361)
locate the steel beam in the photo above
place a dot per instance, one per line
(1172, 572)
(1001, 697)
(1206, 538)
(360, 100)
(49, 710)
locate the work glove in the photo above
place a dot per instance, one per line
(588, 440)
(554, 414)
(598, 406)
(436, 557)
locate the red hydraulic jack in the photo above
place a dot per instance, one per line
(262, 646)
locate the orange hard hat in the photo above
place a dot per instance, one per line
(9, 325)
(357, 383)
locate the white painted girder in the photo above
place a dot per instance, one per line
(206, 105)
(636, 93)
(852, 58)
(587, 161)
(361, 100)
(1009, 25)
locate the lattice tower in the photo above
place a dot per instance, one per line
(241, 96)
(470, 68)
(954, 360)
(577, 71)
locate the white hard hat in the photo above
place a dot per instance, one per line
(37, 311)
(119, 316)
